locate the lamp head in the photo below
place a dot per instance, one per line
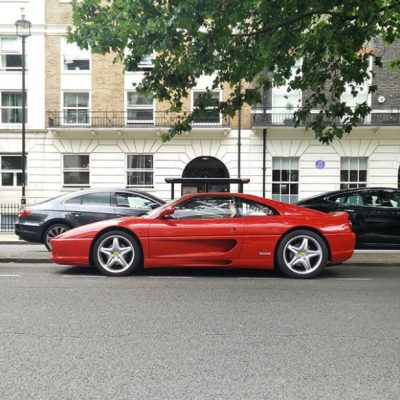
(23, 26)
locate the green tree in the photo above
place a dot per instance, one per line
(255, 41)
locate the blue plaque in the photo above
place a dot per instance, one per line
(320, 164)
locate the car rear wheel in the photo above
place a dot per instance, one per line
(302, 254)
(117, 253)
(52, 231)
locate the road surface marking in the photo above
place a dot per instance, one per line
(8, 276)
(350, 279)
(83, 276)
(168, 277)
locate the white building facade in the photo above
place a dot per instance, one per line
(86, 127)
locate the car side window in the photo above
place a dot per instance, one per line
(130, 200)
(350, 199)
(96, 199)
(74, 200)
(207, 207)
(250, 208)
(386, 198)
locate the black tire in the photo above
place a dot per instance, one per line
(52, 231)
(117, 253)
(302, 254)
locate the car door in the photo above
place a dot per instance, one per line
(381, 218)
(262, 227)
(132, 204)
(90, 207)
(351, 202)
(202, 231)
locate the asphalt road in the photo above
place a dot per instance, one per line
(69, 333)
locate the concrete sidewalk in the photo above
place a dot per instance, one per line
(24, 252)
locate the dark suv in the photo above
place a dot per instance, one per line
(41, 222)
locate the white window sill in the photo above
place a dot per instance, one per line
(76, 72)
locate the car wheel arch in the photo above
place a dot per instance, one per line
(110, 229)
(54, 222)
(300, 228)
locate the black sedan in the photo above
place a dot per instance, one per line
(374, 212)
(41, 222)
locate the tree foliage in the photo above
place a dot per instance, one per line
(255, 41)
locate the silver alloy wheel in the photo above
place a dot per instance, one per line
(53, 232)
(303, 254)
(115, 254)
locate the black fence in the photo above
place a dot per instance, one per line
(8, 216)
(272, 117)
(130, 119)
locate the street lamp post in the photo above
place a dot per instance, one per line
(23, 28)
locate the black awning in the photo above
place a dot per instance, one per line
(206, 181)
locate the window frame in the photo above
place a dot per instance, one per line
(63, 54)
(15, 172)
(288, 182)
(75, 170)
(139, 107)
(19, 92)
(348, 184)
(284, 115)
(64, 108)
(193, 107)
(129, 170)
(4, 68)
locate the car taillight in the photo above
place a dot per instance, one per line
(24, 213)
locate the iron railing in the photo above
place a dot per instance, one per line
(8, 216)
(130, 119)
(275, 117)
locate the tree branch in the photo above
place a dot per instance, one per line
(310, 14)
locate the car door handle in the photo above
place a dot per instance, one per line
(76, 214)
(349, 210)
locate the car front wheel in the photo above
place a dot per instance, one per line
(302, 254)
(116, 253)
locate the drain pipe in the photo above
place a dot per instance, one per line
(264, 167)
(239, 133)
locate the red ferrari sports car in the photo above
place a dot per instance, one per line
(229, 230)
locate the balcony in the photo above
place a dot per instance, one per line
(128, 119)
(268, 117)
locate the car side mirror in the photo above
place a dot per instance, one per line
(166, 213)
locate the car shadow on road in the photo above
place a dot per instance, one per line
(332, 272)
(181, 272)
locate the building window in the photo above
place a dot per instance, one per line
(211, 113)
(74, 58)
(145, 64)
(140, 108)
(76, 108)
(285, 103)
(11, 108)
(353, 172)
(11, 54)
(285, 179)
(140, 170)
(76, 170)
(11, 170)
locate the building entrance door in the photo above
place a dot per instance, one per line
(205, 167)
